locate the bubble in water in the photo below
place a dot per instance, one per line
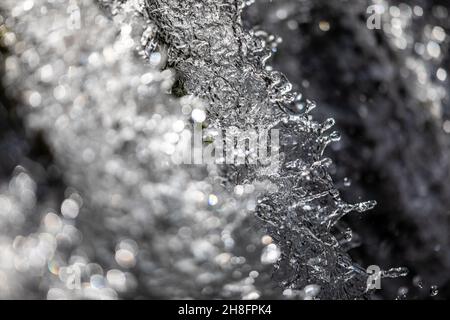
(70, 208)
(270, 254)
(402, 293)
(311, 291)
(417, 281)
(434, 291)
(347, 182)
(395, 272)
(198, 115)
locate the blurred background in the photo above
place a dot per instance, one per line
(79, 211)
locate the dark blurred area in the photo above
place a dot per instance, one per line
(388, 91)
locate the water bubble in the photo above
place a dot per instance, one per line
(438, 34)
(198, 115)
(402, 293)
(70, 208)
(125, 258)
(348, 234)
(116, 279)
(418, 11)
(270, 254)
(335, 136)
(254, 295)
(324, 26)
(417, 281)
(213, 200)
(35, 99)
(291, 293)
(97, 281)
(441, 74)
(347, 182)
(434, 291)
(46, 73)
(266, 240)
(155, 58)
(311, 291)
(434, 50)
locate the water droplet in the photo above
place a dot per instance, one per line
(155, 58)
(395, 272)
(327, 124)
(434, 291)
(417, 281)
(324, 26)
(198, 115)
(441, 74)
(347, 182)
(402, 293)
(70, 208)
(335, 136)
(213, 200)
(348, 234)
(270, 254)
(311, 291)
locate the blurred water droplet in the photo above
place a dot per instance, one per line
(434, 291)
(417, 281)
(347, 182)
(311, 291)
(270, 254)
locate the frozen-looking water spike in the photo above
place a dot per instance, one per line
(327, 124)
(365, 206)
(310, 105)
(322, 163)
(395, 272)
(344, 208)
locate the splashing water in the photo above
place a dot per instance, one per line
(130, 222)
(300, 220)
